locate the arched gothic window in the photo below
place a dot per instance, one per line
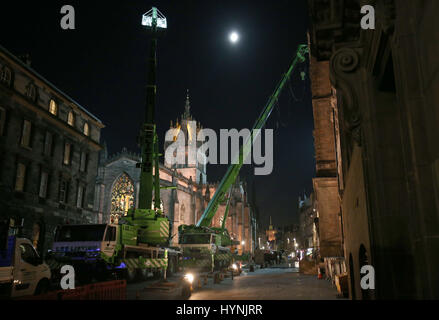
(122, 197)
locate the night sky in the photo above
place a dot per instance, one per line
(103, 65)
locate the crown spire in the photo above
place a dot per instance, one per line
(187, 107)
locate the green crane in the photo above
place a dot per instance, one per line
(153, 225)
(148, 136)
(203, 224)
(233, 170)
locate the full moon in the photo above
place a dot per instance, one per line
(233, 37)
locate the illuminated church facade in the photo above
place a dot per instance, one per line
(118, 182)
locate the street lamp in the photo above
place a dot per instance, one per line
(243, 242)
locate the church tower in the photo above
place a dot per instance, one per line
(188, 127)
(271, 232)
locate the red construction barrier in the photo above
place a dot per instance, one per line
(109, 290)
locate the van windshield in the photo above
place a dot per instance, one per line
(94, 232)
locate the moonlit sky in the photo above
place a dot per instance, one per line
(103, 65)
(234, 37)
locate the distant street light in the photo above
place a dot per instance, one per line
(243, 242)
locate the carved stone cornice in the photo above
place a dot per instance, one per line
(343, 65)
(332, 21)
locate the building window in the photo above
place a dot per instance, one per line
(31, 92)
(20, 177)
(43, 184)
(86, 129)
(36, 235)
(84, 161)
(67, 153)
(48, 141)
(80, 196)
(26, 134)
(63, 190)
(2, 121)
(122, 197)
(53, 108)
(6, 76)
(71, 119)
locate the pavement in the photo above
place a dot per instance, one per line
(156, 290)
(274, 283)
(269, 284)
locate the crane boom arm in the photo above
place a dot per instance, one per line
(235, 167)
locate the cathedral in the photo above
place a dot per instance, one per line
(118, 182)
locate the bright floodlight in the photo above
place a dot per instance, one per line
(234, 37)
(154, 18)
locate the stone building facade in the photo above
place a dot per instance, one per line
(384, 86)
(308, 239)
(49, 149)
(326, 182)
(117, 188)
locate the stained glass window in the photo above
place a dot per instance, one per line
(122, 197)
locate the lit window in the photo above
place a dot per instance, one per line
(53, 108)
(86, 129)
(26, 133)
(43, 184)
(5, 75)
(36, 234)
(31, 92)
(20, 176)
(67, 153)
(71, 119)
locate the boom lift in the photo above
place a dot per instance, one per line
(137, 243)
(202, 241)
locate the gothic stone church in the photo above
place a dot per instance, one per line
(117, 190)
